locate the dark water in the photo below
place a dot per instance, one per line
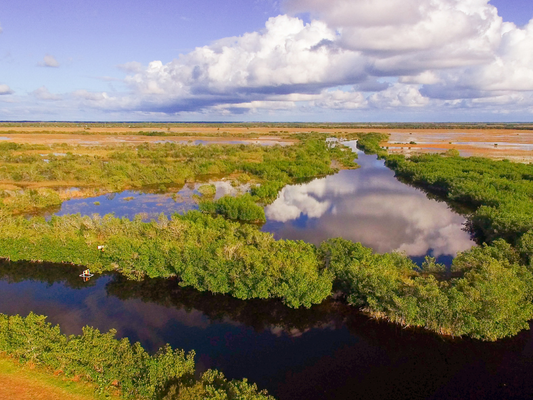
(327, 352)
(369, 205)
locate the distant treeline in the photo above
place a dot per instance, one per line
(114, 365)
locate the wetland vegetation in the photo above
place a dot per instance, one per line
(487, 294)
(115, 168)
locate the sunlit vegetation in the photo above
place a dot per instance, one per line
(242, 208)
(488, 297)
(115, 168)
(209, 254)
(20, 200)
(494, 280)
(116, 365)
(487, 294)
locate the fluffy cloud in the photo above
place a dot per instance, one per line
(43, 94)
(49, 61)
(399, 95)
(353, 55)
(4, 89)
(287, 55)
(370, 207)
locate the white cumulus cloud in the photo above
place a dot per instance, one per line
(352, 55)
(43, 93)
(49, 61)
(4, 89)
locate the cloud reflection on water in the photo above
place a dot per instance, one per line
(370, 206)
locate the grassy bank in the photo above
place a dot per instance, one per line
(29, 382)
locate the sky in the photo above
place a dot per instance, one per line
(267, 60)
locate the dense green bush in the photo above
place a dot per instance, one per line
(490, 299)
(242, 208)
(268, 191)
(107, 362)
(370, 143)
(28, 200)
(207, 253)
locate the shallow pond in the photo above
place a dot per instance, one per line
(327, 352)
(130, 202)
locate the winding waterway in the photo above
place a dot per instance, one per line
(330, 351)
(367, 205)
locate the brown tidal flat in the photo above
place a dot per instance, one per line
(516, 145)
(497, 143)
(100, 139)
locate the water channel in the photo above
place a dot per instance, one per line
(330, 351)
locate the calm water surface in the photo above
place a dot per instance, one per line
(369, 205)
(327, 352)
(151, 205)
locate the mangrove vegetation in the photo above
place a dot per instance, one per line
(115, 365)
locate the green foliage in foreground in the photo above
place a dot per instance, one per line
(242, 208)
(107, 362)
(209, 254)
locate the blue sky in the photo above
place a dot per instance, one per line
(266, 60)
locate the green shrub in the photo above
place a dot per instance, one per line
(108, 362)
(242, 208)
